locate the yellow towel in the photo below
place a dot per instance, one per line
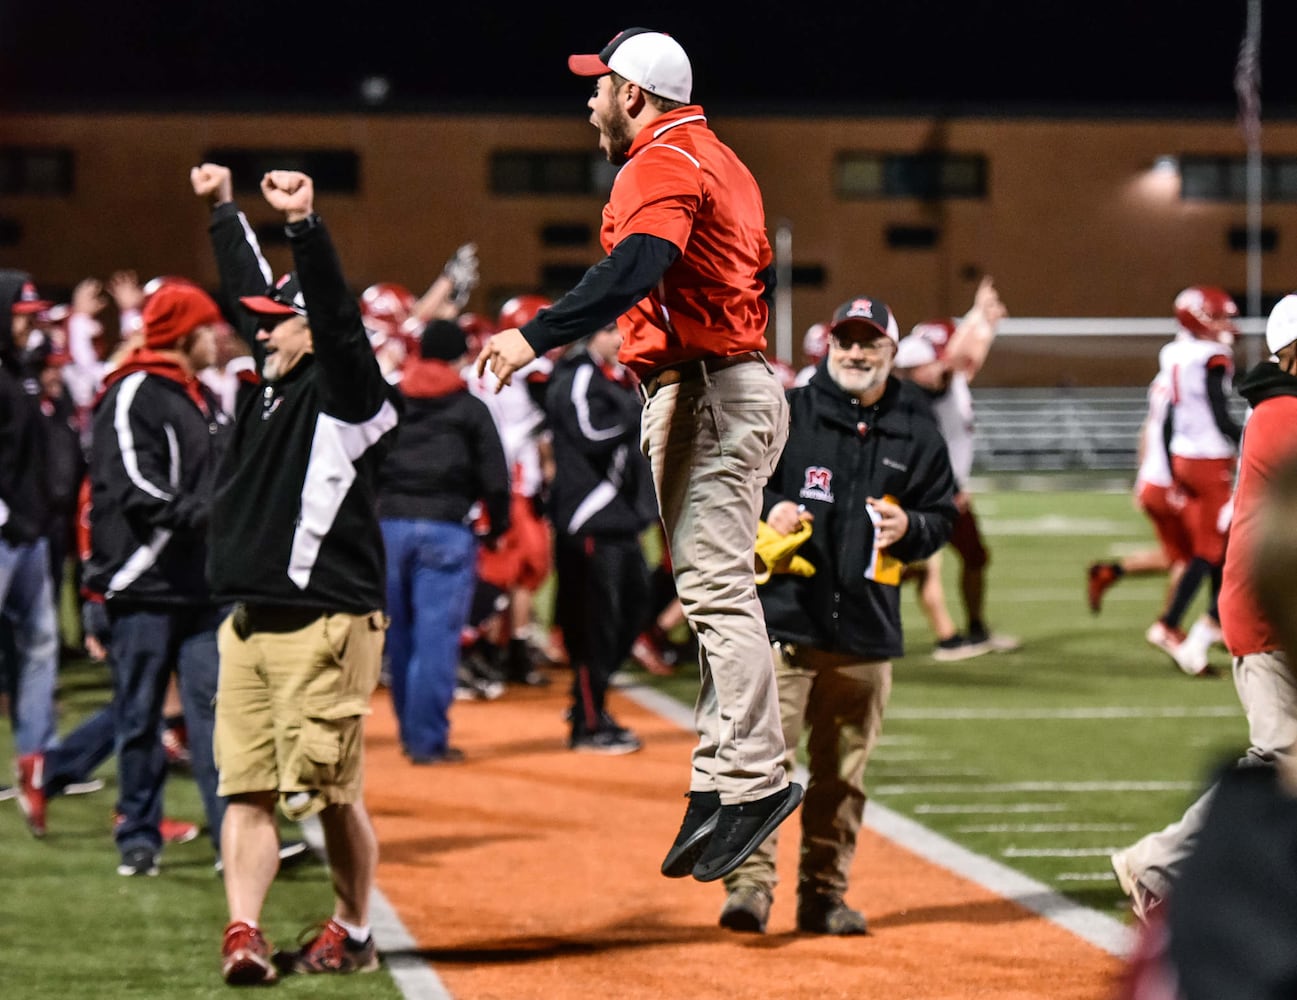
(775, 553)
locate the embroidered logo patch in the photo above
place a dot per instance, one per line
(818, 484)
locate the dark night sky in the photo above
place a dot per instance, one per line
(982, 55)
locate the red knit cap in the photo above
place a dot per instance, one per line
(174, 311)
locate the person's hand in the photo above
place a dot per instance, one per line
(463, 273)
(88, 297)
(892, 523)
(124, 287)
(786, 517)
(291, 192)
(987, 302)
(211, 180)
(961, 502)
(504, 353)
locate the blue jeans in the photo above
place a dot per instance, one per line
(146, 645)
(30, 627)
(81, 751)
(431, 569)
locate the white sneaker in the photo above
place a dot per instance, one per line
(1191, 657)
(1142, 901)
(1168, 640)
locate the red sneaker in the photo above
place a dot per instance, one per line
(331, 950)
(173, 831)
(1102, 576)
(31, 791)
(175, 744)
(245, 956)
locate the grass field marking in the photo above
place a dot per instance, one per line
(1103, 876)
(1054, 524)
(1099, 929)
(1093, 712)
(906, 756)
(1059, 852)
(1045, 827)
(901, 739)
(995, 808)
(414, 977)
(1041, 786)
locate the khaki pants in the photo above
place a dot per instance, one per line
(1269, 696)
(838, 700)
(292, 695)
(713, 442)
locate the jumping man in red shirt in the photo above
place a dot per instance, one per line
(688, 265)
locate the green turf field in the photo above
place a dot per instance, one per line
(1043, 759)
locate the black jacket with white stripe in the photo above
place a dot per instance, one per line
(293, 521)
(157, 439)
(602, 483)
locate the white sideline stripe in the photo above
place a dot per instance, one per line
(1059, 852)
(1042, 786)
(1099, 929)
(906, 756)
(1103, 876)
(1044, 827)
(957, 809)
(414, 977)
(1096, 712)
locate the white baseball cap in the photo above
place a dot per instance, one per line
(655, 61)
(1281, 326)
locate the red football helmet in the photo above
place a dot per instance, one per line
(816, 343)
(521, 309)
(1207, 312)
(936, 332)
(476, 329)
(385, 308)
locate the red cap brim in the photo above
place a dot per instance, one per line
(27, 308)
(587, 65)
(265, 306)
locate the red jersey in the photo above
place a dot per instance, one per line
(1268, 442)
(684, 185)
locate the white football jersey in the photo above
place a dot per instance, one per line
(1155, 467)
(518, 419)
(954, 410)
(1184, 362)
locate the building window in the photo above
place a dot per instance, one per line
(335, 171)
(524, 172)
(910, 175)
(32, 171)
(1224, 178)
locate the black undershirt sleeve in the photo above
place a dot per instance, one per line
(1219, 408)
(606, 291)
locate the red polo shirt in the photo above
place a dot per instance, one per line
(684, 185)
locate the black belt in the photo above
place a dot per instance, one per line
(688, 371)
(249, 618)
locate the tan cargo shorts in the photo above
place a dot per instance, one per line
(294, 689)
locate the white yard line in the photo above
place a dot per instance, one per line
(1041, 786)
(1092, 712)
(413, 976)
(1099, 929)
(1103, 876)
(1045, 828)
(994, 808)
(1059, 852)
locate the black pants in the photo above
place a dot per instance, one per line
(601, 606)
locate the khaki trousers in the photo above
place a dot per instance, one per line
(713, 441)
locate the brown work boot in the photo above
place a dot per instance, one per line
(746, 909)
(829, 915)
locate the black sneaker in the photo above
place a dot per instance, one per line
(606, 741)
(138, 861)
(695, 831)
(741, 829)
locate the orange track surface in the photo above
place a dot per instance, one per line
(529, 871)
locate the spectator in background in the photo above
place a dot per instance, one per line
(158, 438)
(28, 621)
(601, 500)
(869, 478)
(447, 458)
(943, 357)
(297, 544)
(815, 345)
